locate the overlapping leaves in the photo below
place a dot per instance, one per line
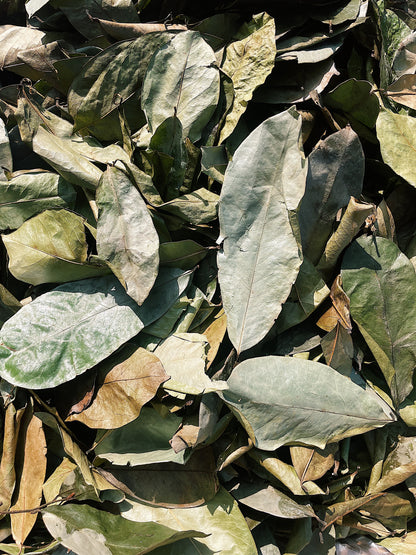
(207, 277)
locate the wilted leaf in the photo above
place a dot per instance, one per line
(123, 389)
(51, 248)
(335, 173)
(95, 93)
(126, 236)
(87, 530)
(355, 100)
(220, 518)
(248, 62)
(338, 349)
(198, 207)
(312, 464)
(183, 356)
(267, 394)
(75, 326)
(182, 80)
(403, 91)
(6, 161)
(32, 470)
(257, 268)
(397, 136)
(181, 254)
(398, 466)
(308, 292)
(143, 441)
(371, 270)
(11, 426)
(28, 194)
(404, 61)
(169, 484)
(262, 497)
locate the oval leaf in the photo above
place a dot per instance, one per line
(370, 272)
(281, 400)
(70, 329)
(126, 236)
(260, 259)
(182, 80)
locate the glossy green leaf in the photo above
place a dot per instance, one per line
(75, 326)
(143, 441)
(183, 356)
(282, 400)
(397, 136)
(51, 248)
(335, 173)
(126, 237)
(258, 267)
(371, 270)
(248, 62)
(87, 530)
(182, 80)
(220, 518)
(27, 194)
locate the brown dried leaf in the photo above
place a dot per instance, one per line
(403, 91)
(312, 464)
(31, 472)
(123, 390)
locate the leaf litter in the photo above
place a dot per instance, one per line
(207, 277)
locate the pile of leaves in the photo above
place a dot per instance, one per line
(208, 288)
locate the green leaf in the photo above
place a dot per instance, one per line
(82, 13)
(181, 254)
(51, 248)
(397, 136)
(258, 267)
(405, 545)
(143, 441)
(95, 93)
(371, 270)
(335, 173)
(182, 80)
(183, 356)
(126, 236)
(220, 518)
(282, 400)
(167, 139)
(70, 329)
(168, 484)
(87, 530)
(29, 193)
(308, 292)
(198, 207)
(248, 62)
(356, 100)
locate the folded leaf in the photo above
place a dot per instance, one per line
(51, 248)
